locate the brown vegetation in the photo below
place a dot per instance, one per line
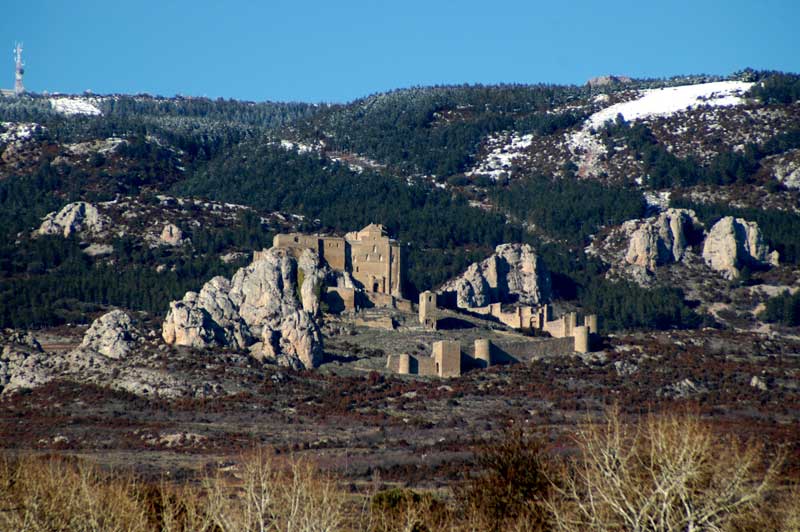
(666, 473)
(660, 473)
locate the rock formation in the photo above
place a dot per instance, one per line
(514, 273)
(259, 309)
(74, 218)
(20, 357)
(661, 239)
(206, 319)
(786, 168)
(296, 343)
(265, 289)
(24, 365)
(171, 235)
(112, 335)
(734, 243)
(604, 81)
(311, 285)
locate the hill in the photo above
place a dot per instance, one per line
(666, 208)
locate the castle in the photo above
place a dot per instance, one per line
(371, 258)
(375, 264)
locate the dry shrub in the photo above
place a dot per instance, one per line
(404, 510)
(263, 497)
(666, 473)
(790, 511)
(43, 494)
(511, 489)
(179, 509)
(72, 495)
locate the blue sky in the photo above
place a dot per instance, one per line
(336, 51)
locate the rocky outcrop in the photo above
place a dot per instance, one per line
(313, 277)
(605, 81)
(734, 243)
(662, 239)
(638, 248)
(786, 168)
(297, 342)
(20, 356)
(206, 319)
(514, 273)
(74, 218)
(23, 339)
(265, 290)
(112, 335)
(22, 368)
(24, 365)
(258, 309)
(171, 235)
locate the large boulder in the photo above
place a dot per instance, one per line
(112, 335)
(313, 276)
(513, 273)
(734, 243)
(171, 235)
(296, 342)
(661, 239)
(188, 325)
(206, 319)
(259, 310)
(23, 368)
(472, 289)
(265, 290)
(23, 363)
(74, 218)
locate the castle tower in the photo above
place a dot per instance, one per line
(483, 352)
(427, 309)
(581, 333)
(19, 88)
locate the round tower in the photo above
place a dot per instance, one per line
(404, 364)
(582, 339)
(571, 321)
(483, 352)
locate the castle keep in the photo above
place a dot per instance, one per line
(369, 256)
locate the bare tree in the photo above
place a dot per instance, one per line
(666, 473)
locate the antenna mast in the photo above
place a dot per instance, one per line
(19, 88)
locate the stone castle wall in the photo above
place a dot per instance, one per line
(449, 359)
(371, 257)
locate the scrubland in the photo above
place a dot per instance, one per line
(664, 472)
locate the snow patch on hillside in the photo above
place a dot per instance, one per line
(357, 163)
(75, 106)
(657, 201)
(299, 146)
(505, 149)
(16, 131)
(670, 100)
(653, 103)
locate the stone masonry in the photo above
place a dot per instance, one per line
(369, 256)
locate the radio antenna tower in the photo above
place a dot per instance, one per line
(19, 88)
